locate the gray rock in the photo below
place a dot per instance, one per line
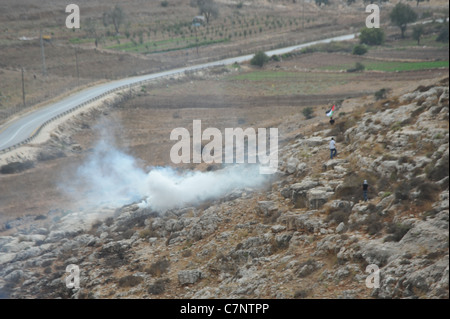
(187, 277)
(302, 168)
(15, 276)
(431, 234)
(298, 192)
(267, 208)
(278, 228)
(314, 141)
(307, 268)
(291, 166)
(332, 163)
(317, 197)
(378, 253)
(205, 225)
(282, 240)
(340, 228)
(341, 205)
(301, 222)
(5, 240)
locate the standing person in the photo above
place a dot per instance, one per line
(331, 121)
(333, 151)
(365, 189)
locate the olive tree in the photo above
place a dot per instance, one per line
(208, 8)
(401, 15)
(116, 17)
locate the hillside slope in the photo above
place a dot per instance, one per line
(308, 235)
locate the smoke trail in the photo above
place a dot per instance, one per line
(168, 189)
(112, 178)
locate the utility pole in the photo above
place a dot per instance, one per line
(44, 69)
(78, 71)
(23, 89)
(196, 39)
(303, 15)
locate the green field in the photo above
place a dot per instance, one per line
(286, 83)
(427, 40)
(391, 66)
(268, 75)
(163, 45)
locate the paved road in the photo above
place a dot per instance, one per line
(23, 128)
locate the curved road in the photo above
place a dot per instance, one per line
(21, 130)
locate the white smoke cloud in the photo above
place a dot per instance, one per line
(111, 177)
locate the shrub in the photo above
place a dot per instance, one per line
(372, 36)
(158, 287)
(164, 3)
(396, 231)
(443, 34)
(439, 171)
(380, 94)
(338, 216)
(16, 167)
(358, 67)
(402, 191)
(275, 58)
(359, 49)
(259, 59)
(350, 188)
(186, 253)
(50, 155)
(418, 31)
(373, 223)
(301, 294)
(158, 268)
(130, 281)
(308, 113)
(428, 191)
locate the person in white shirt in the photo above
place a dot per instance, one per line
(333, 151)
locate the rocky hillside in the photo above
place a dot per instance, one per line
(307, 235)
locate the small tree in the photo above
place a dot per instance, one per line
(116, 17)
(259, 59)
(308, 113)
(92, 31)
(359, 49)
(359, 67)
(401, 15)
(207, 8)
(418, 31)
(380, 94)
(443, 33)
(320, 2)
(371, 36)
(418, 1)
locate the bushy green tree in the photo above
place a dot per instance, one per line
(359, 49)
(401, 15)
(418, 31)
(443, 33)
(259, 59)
(372, 36)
